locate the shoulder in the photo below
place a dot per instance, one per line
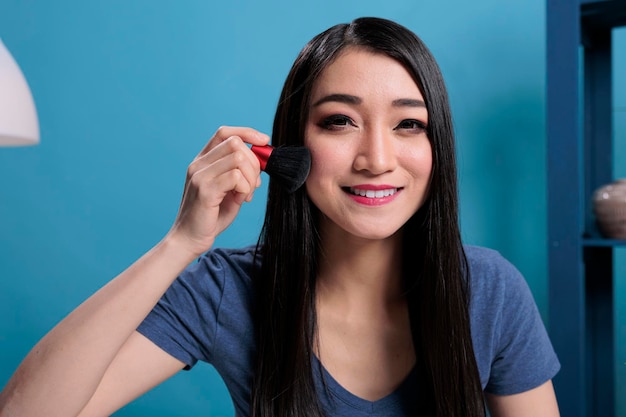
(497, 289)
(186, 321)
(222, 265)
(488, 261)
(493, 278)
(241, 260)
(513, 351)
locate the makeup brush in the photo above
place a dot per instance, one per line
(288, 165)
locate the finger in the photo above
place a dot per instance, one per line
(234, 182)
(220, 196)
(247, 134)
(249, 197)
(208, 192)
(257, 185)
(230, 173)
(233, 149)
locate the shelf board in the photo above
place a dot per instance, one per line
(602, 242)
(603, 14)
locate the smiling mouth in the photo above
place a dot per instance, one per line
(372, 193)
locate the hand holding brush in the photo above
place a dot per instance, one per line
(213, 193)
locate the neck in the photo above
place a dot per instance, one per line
(360, 272)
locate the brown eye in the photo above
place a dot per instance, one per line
(411, 124)
(336, 121)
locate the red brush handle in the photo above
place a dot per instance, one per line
(263, 154)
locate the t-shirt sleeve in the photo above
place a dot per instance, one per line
(522, 356)
(184, 321)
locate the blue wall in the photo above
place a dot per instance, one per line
(619, 171)
(128, 93)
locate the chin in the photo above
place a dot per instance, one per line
(372, 232)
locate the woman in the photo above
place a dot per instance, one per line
(359, 298)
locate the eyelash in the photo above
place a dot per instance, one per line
(338, 121)
(415, 125)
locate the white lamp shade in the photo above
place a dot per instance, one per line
(18, 117)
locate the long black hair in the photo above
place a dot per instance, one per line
(434, 266)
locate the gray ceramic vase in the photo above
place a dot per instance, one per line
(609, 207)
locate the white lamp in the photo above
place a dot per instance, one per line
(18, 117)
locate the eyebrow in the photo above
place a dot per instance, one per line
(341, 98)
(408, 102)
(350, 99)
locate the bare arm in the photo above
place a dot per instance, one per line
(139, 366)
(538, 402)
(68, 366)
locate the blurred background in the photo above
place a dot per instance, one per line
(128, 92)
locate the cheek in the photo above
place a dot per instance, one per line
(327, 159)
(419, 161)
(426, 168)
(322, 163)
(329, 165)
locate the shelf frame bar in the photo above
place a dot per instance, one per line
(579, 158)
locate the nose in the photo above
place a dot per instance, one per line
(375, 153)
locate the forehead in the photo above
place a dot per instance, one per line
(358, 70)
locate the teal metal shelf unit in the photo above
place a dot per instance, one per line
(579, 160)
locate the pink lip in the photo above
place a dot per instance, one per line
(376, 201)
(373, 186)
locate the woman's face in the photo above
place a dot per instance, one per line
(372, 160)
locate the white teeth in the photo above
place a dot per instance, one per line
(373, 193)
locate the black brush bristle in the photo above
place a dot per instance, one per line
(289, 166)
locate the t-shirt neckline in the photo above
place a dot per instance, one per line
(392, 400)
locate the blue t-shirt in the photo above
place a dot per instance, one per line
(206, 316)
